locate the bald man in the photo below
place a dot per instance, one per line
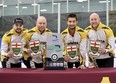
(36, 39)
(101, 42)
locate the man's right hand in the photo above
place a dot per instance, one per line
(10, 54)
(66, 58)
(28, 51)
(91, 65)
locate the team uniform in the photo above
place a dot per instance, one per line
(12, 37)
(105, 37)
(78, 43)
(36, 60)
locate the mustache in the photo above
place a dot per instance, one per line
(18, 29)
(72, 28)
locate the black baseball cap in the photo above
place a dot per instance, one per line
(18, 20)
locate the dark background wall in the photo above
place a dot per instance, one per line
(6, 22)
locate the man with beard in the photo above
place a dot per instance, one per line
(74, 39)
(100, 36)
(36, 40)
(14, 37)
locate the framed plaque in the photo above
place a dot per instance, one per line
(16, 48)
(94, 47)
(35, 47)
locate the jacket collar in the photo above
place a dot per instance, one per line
(99, 26)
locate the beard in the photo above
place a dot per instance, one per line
(41, 29)
(18, 30)
(72, 28)
(95, 26)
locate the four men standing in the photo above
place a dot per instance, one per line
(96, 42)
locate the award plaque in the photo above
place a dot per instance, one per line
(72, 51)
(35, 47)
(94, 48)
(54, 58)
(16, 48)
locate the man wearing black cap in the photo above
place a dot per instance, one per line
(12, 45)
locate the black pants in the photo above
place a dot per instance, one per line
(27, 63)
(38, 65)
(17, 65)
(70, 64)
(105, 63)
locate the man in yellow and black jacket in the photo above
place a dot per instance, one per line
(37, 33)
(15, 35)
(74, 38)
(98, 32)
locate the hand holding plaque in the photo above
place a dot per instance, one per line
(38, 53)
(102, 50)
(66, 58)
(28, 51)
(10, 54)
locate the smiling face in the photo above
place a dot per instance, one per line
(18, 27)
(41, 23)
(71, 22)
(94, 20)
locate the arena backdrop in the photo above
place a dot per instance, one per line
(6, 22)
